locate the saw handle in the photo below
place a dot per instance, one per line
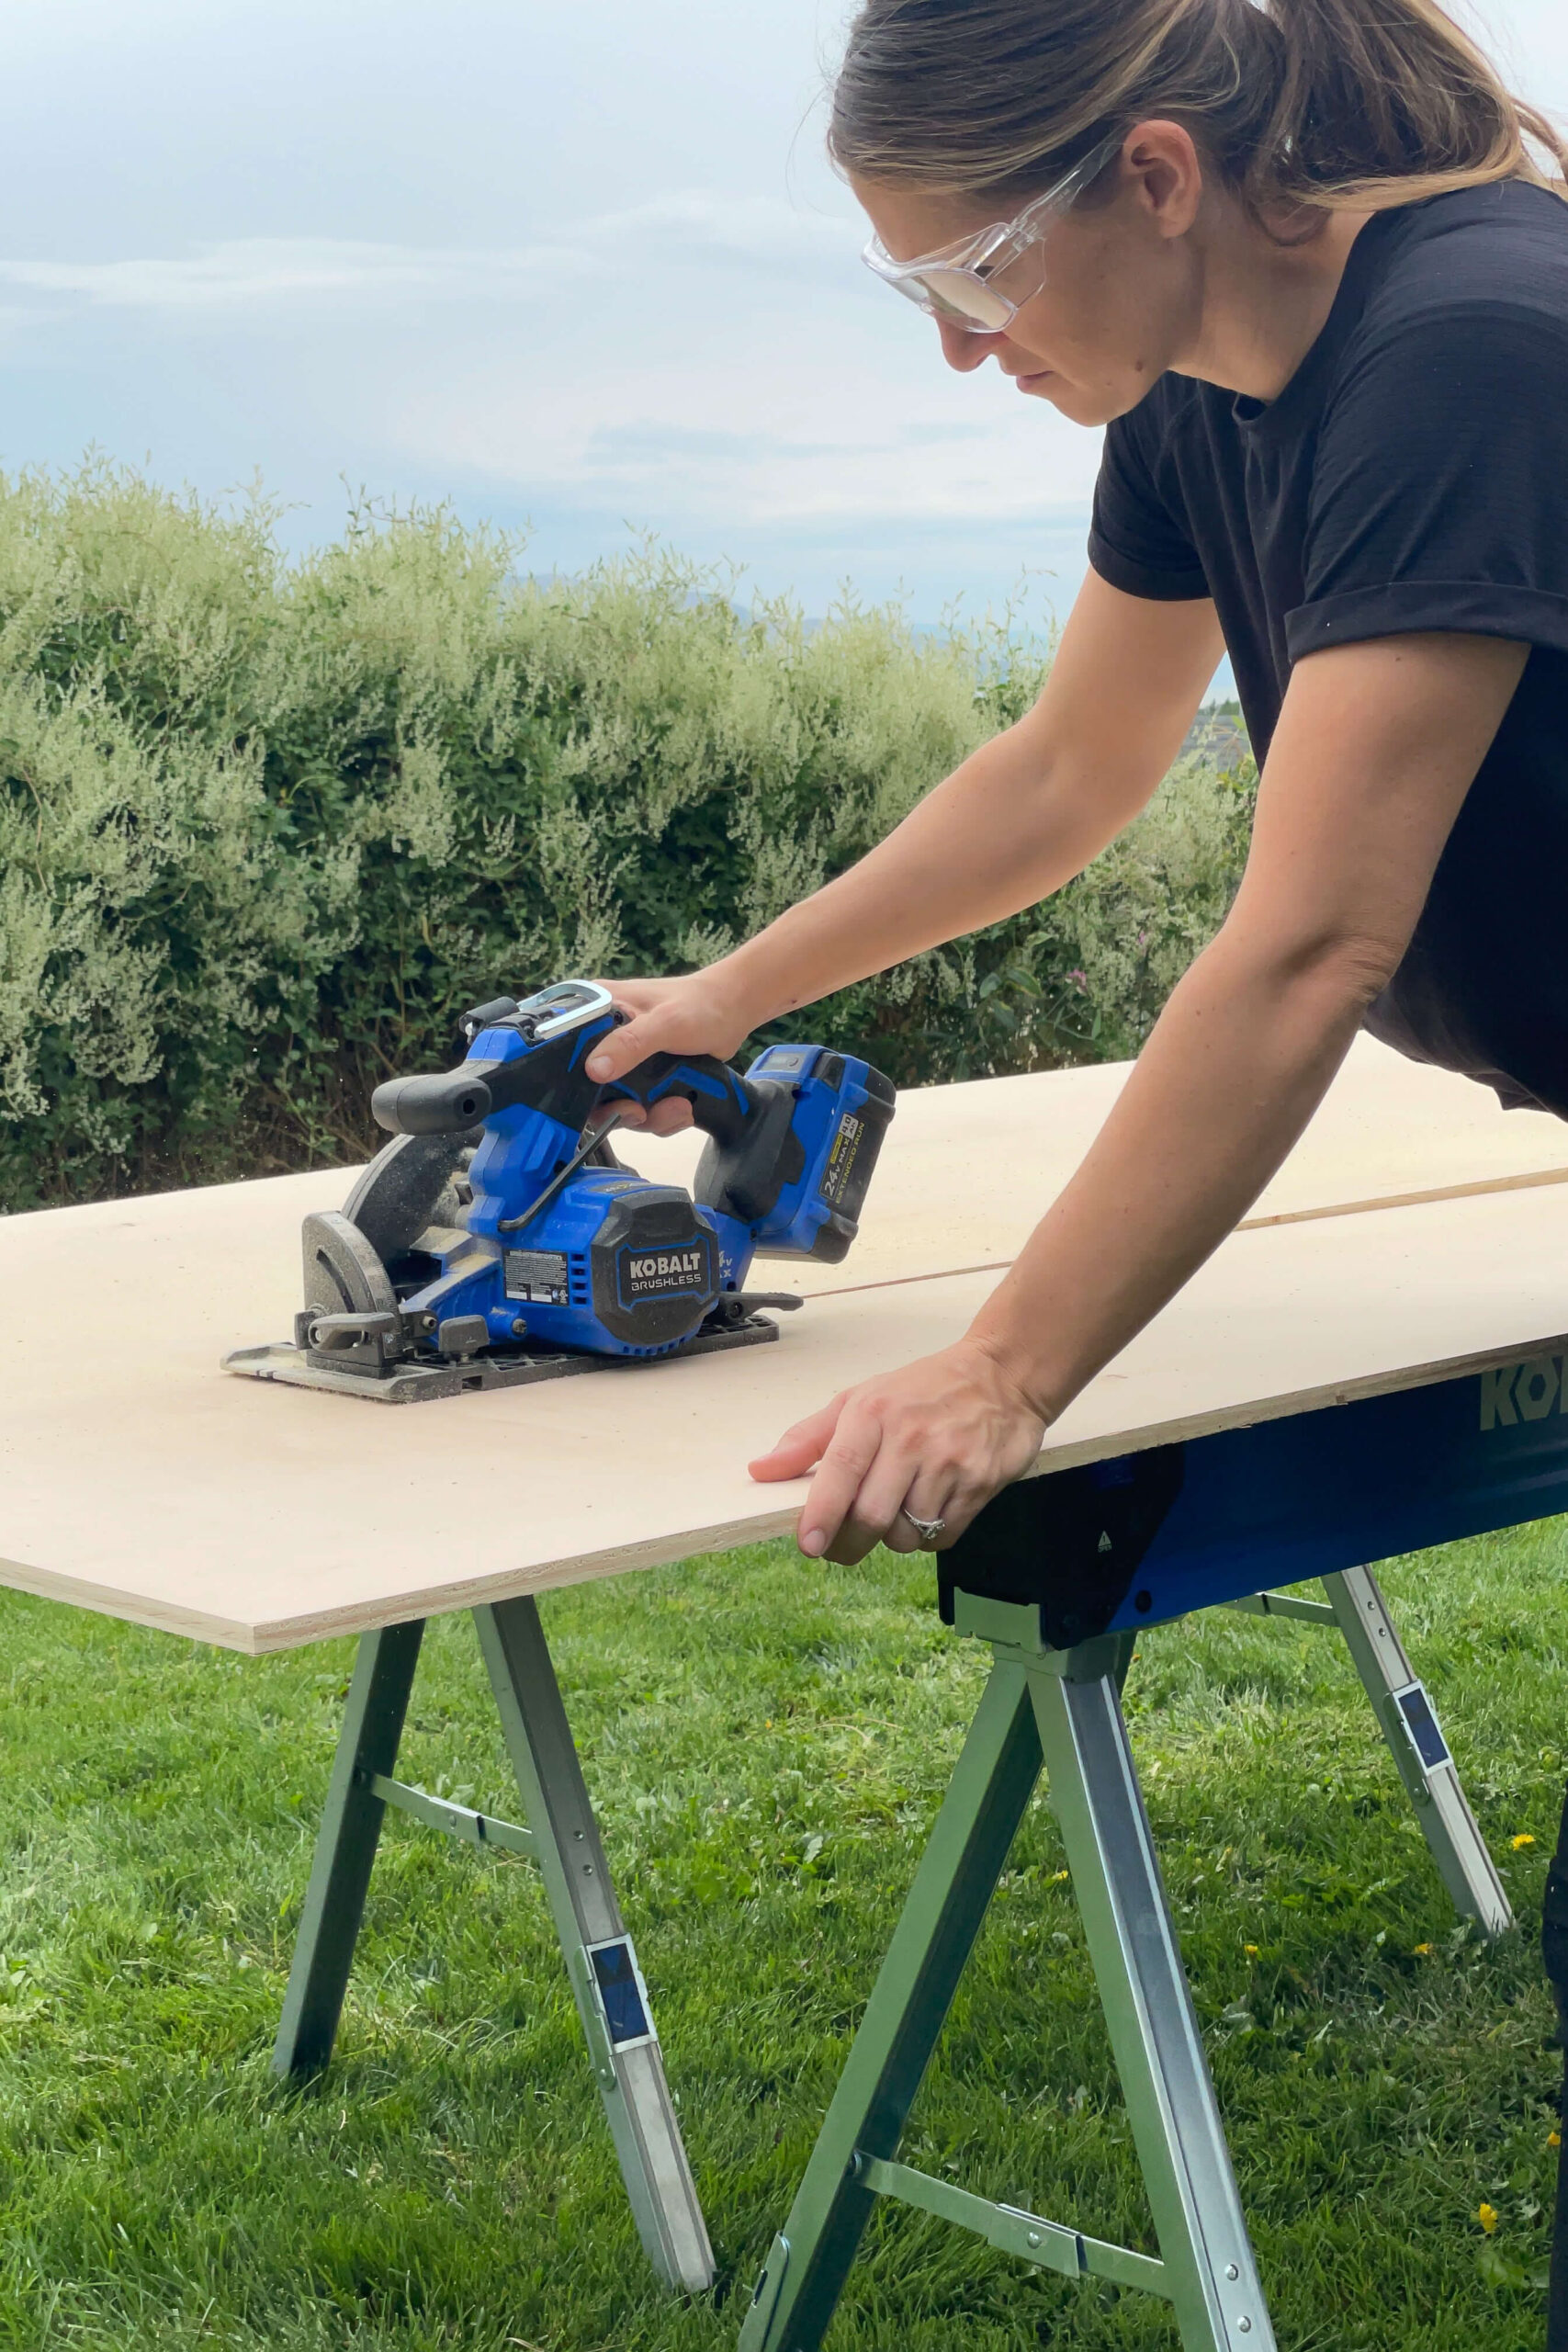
(753, 1151)
(723, 1102)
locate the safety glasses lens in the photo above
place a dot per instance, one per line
(962, 300)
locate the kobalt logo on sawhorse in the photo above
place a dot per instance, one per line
(1523, 1392)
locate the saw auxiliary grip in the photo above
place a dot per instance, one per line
(442, 1104)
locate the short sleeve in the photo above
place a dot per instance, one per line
(1440, 494)
(1139, 542)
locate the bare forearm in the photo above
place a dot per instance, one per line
(1018, 819)
(1001, 833)
(1237, 1064)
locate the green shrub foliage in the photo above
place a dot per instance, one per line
(266, 828)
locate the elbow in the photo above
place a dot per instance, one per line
(1355, 971)
(1340, 972)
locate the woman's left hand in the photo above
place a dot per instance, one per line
(937, 1440)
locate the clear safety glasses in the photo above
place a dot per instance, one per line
(983, 281)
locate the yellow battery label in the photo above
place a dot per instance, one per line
(841, 1159)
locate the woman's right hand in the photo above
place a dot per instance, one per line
(695, 1014)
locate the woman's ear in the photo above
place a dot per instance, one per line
(1161, 161)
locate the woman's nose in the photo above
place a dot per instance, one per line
(963, 349)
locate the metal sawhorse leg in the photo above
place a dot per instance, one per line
(563, 1837)
(1406, 1718)
(1062, 1708)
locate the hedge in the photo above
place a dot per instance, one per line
(266, 827)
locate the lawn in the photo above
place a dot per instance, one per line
(766, 1743)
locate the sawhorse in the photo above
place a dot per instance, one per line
(1408, 1722)
(563, 1837)
(1060, 1574)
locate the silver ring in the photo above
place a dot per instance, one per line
(928, 1530)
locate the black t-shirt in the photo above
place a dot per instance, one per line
(1413, 475)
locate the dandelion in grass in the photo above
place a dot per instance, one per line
(1487, 2217)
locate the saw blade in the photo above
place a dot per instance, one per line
(395, 1198)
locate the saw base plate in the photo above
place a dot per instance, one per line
(411, 1384)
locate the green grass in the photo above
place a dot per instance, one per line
(766, 1743)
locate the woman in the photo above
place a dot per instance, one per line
(1304, 265)
(1308, 262)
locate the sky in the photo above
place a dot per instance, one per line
(575, 269)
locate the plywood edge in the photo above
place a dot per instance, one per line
(268, 1634)
(128, 1608)
(1216, 1419)
(727, 1535)
(582, 1568)
(765, 1526)
(295, 1631)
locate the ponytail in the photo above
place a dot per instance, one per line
(1311, 105)
(1384, 102)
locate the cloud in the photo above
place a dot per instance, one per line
(251, 271)
(687, 227)
(754, 227)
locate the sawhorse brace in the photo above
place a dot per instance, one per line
(563, 1837)
(1062, 1708)
(1406, 1718)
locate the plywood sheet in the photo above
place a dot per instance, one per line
(968, 1171)
(137, 1479)
(1391, 1132)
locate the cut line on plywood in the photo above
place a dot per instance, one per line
(1432, 1199)
(1525, 1183)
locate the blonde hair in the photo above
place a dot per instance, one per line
(1327, 105)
